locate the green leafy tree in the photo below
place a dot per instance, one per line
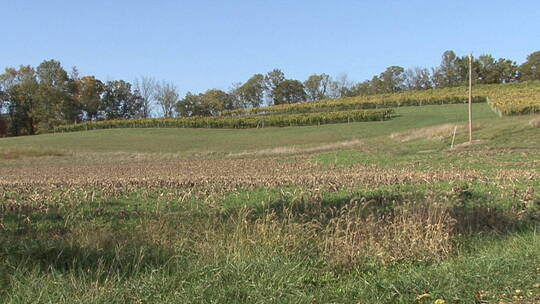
(209, 103)
(272, 80)
(361, 88)
(289, 91)
(55, 99)
(508, 70)
(20, 93)
(530, 69)
(449, 73)
(377, 85)
(251, 93)
(217, 101)
(392, 79)
(487, 72)
(119, 102)
(190, 105)
(90, 91)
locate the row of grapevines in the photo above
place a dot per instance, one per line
(508, 99)
(521, 99)
(235, 122)
(409, 98)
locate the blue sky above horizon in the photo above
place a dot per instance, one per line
(199, 45)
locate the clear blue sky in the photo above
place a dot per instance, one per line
(205, 44)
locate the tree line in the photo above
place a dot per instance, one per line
(36, 99)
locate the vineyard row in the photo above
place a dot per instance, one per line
(305, 119)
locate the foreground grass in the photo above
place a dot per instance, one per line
(501, 270)
(153, 250)
(93, 238)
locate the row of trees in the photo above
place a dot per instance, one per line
(38, 99)
(274, 88)
(453, 71)
(35, 99)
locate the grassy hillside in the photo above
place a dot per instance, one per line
(374, 212)
(221, 141)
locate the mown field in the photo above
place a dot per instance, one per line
(363, 212)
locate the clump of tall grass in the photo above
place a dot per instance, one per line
(343, 236)
(422, 232)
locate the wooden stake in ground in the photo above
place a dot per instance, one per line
(453, 138)
(470, 98)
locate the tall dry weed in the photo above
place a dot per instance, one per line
(421, 232)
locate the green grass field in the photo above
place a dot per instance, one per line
(374, 212)
(196, 141)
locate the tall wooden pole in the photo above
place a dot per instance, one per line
(470, 98)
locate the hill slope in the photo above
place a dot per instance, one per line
(223, 141)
